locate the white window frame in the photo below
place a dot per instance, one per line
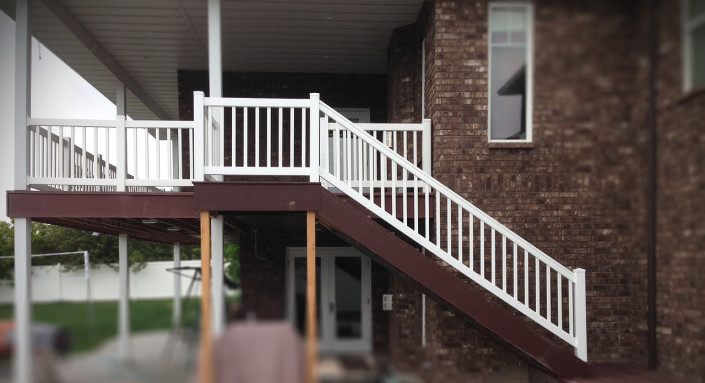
(687, 29)
(529, 6)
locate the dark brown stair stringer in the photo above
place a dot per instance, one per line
(435, 281)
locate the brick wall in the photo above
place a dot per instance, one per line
(578, 193)
(680, 213)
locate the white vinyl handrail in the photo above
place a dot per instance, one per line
(512, 269)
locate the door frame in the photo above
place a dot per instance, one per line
(327, 340)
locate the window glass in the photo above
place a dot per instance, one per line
(509, 53)
(699, 55)
(697, 8)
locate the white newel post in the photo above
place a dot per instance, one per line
(176, 318)
(426, 160)
(23, 229)
(323, 147)
(124, 301)
(217, 266)
(198, 137)
(315, 160)
(121, 166)
(580, 315)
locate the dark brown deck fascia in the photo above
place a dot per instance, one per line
(430, 277)
(257, 196)
(30, 204)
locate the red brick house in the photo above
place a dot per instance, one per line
(466, 161)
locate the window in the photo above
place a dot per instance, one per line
(510, 71)
(693, 44)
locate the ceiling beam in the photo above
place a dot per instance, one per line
(84, 35)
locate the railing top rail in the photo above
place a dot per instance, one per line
(31, 121)
(401, 127)
(257, 102)
(457, 199)
(159, 124)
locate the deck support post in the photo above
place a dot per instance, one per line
(124, 300)
(205, 365)
(311, 304)
(23, 228)
(23, 300)
(217, 252)
(176, 314)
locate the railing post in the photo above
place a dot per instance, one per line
(580, 316)
(199, 139)
(121, 166)
(323, 139)
(315, 160)
(426, 160)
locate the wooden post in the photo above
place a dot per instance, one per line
(311, 341)
(205, 366)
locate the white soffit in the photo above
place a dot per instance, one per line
(151, 40)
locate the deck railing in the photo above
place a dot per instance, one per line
(109, 155)
(286, 137)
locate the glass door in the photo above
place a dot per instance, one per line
(343, 295)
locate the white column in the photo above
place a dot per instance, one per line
(124, 301)
(217, 250)
(23, 301)
(215, 70)
(121, 166)
(23, 229)
(176, 319)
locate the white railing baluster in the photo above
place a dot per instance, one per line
(515, 280)
(504, 263)
(383, 177)
(559, 300)
(438, 220)
(245, 139)
(158, 158)
(471, 244)
(548, 293)
(492, 244)
(269, 137)
(256, 138)
(303, 137)
(571, 302)
(460, 234)
(427, 218)
(291, 137)
(448, 228)
(416, 203)
(482, 249)
(280, 137)
(526, 277)
(537, 271)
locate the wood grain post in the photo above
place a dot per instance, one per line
(206, 367)
(311, 341)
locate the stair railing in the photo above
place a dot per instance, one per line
(463, 236)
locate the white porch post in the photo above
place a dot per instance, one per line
(124, 301)
(23, 229)
(176, 319)
(121, 166)
(315, 131)
(217, 250)
(215, 83)
(580, 316)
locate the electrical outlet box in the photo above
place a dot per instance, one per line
(387, 302)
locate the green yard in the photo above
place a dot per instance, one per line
(92, 324)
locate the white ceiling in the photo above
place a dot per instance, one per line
(145, 42)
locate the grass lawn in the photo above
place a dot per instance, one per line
(92, 324)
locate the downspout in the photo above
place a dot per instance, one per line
(652, 184)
